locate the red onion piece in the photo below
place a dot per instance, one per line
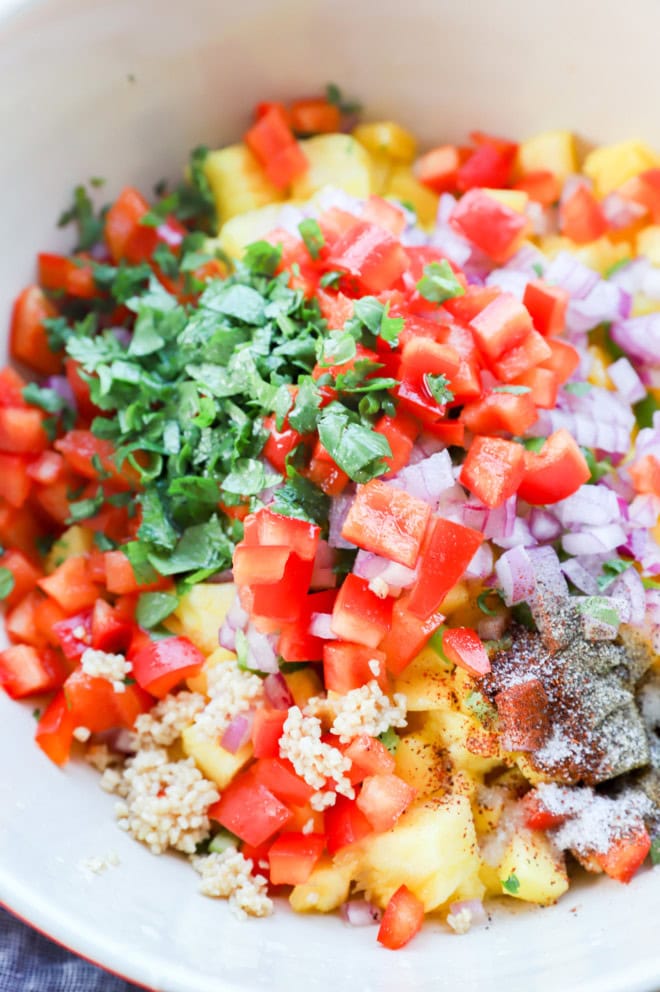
(221, 577)
(543, 524)
(527, 260)
(629, 586)
(520, 536)
(227, 637)
(594, 540)
(371, 566)
(338, 512)
(428, 479)
(589, 505)
(478, 915)
(580, 577)
(639, 337)
(509, 281)
(237, 732)
(118, 739)
(621, 212)
(515, 576)
(277, 692)
(644, 510)
(605, 302)
(626, 380)
(321, 626)
(60, 385)
(548, 571)
(567, 271)
(360, 913)
(262, 656)
(481, 565)
(425, 446)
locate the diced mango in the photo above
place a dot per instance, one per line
(405, 187)
(420, 764)
(238, 232)
(538, 868)
(551, 150)
(326, 889)
(334, 160)
(303, 684)
(214, 761)
(238, 182)
(470, 747)
(432, 849)
(426, 683)
(648, 243)
(201, 613)
(74, 541)
(612, 165)
(514, 199)
(198, 683)
(387, 138)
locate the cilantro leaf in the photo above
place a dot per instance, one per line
(7, 582)
(299, 497)
(438, 386)
(511, 884)
(83, 215)
(612, 569)
(312, 235)
(578, 388)
(338, 348)
(154, 607)
(439, 283)
(334, 95)
(203, 546)
(390, 740)
(655, 851)
(513, 390)
(262, 258)
(356, 449)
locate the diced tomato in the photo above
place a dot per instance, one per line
(402, 919)
(489, 165)
(73, 276)
(279, 775)
(383, 798)
(161, 665)
(347, 666)
(581, 217)
(370, 756)
(120, 577)
(501, 325)
(300, 536)
(493, 227)
(537, 816)
(438, 169)
(273, 143)
(542, 186)
(110, 631)
(47, 468)
(28, 340)
(250, 810)
(372, 256)
(26, 574)
(14, 479)
(447, 551)
(401, 432)
(267, 729)
(25, 671)
(555, 472)
(83, 451)
(123, 221)
(464, 648)
(388, 216)
(626, 855)
(11, 387)
(564, 359)
(387, 521)
(91, 701)
(46, 614)
(344, 824)
(296, 642)
(292, 857)
(547, 306)
(474, 300)
(314, 117)
(533, 350)
(407, 635)
(543, 386)
(74, 634)
(283, 600)
(54, 733)
(22, 431)
(493, 469)
(499, 412)
(359, 615)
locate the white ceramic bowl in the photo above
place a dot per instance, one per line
(123, 90)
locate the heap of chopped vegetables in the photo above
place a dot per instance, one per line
(335, 506)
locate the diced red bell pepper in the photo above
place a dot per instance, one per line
(267, 729)
(80, 388)
(547, 306)
(315, 116)
(73, 276)
(336, 308)
(271, 140)
(145, 240)
(46, 614)
(626, 855)
(120, 577)
(415, 398)
(501, 325)
(258, 564)
(543, 386)
(279, 775)
(475, 299)
(15, 480)
(298, 535)
(11, 387)
(645, 190)
(383, 798)
(70, 585)
(21, 622)
(542, 186)
(28, 340)
(110, 631)
(359, 615)
(533, 350)
(91, 701)
(325, 473)
(25, 671)
(20, 528)
(407, 635)
(438, 169)
(161, 665)
(499, 412)
(450, 432)
(421, 357)
(581, 217)
(489, 165)
(283, 600)
(47, 468)
(279, 443)
(26, 574)
(346, 666)
(388, 216)
(645, 474)
(464, 648)
(22, 431)
(344, 824)
(555, 472)
(74, 634)
(123, 221)
(296, 642)
(564, 359)
(493, 227)
(82, 449)
(292, 857)
(401, 432)
(402, 919)
(447, 551)
(387, 521)
(54, 733)
(371, 256)
(370, 756)
(537, 816)
(250, 810)
(493, 469)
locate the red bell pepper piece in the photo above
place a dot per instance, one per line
(388, 216)
(161, 665)
(645, 474)
(564, 359)
(383, 798)
(314, 116)
(26, 575)
(401, 431)
(279, 443)
(626, 855)
(15, 480)
(493, 227)
(25, 671)
(54, 733)
(74, 634)
(543, 385)
(344, 824)
(370, 756)
(464, 648)
(266, 732)
(533, 350)
(111, 631)
(501, 325)
(271, 140)
(11, 387)
(83, 451)
(296, 643)
(581, 217)
(73, 276)
(279, 775)
(493, 469)
(402, 919)
(22, 431)
(499, 412)
(292, 857)
(438, 169)
(250, 810)
(346, 666)
(372, 256)
(542, 186)
(387, 521)
(123, 221)
(283, 600)
(120, 577)
(299, 536)
(70, 585)
(447, 551)
(359, 615)
(547, 306)
(407, 635)
(555, 472)
(645, 190)
(28, 340)
(537, 816)
(489, 165)
(47, 468)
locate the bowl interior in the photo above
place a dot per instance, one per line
(123, 91)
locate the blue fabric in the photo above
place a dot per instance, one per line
(31, 963)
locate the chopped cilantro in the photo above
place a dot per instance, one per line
(578, 388)
(597, 468)
(600, 608)
(36, 713)
(83, 215)
(7, 582)
(438, 386)
(262, 258)
(611, 570)
(483, 604)
(645, 409)
(84, 508)
(312, 235)
(511, 884)
(299, 497)
(389, 739)
(533, 443)
(655, 851)
(222, 841)
(154, 607)
(538, 269)
(331, 279)
(334, 95)
(356, 449)
(616, 267)
(439, 282)
(513, 390)
(338, 348)
(478, 705)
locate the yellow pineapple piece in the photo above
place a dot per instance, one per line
(550, 150)
(198, 683)
(214, 761)
(325, 889)
(74, 541)
(612, 165)
(644, 304)
(487, 806)
(420, 764)
(601, 254)
(426, 683)
(387, 138)
(238, 181)
(648, 243)
(457, 598)
(538, 868)
(533, 776)
(303, 684)
(405, 187)
(254, 225)
(432, 850)
(598, 373)
(470, 747)
(381, 173)
(201, 613)
(514, 199)
(334, 160)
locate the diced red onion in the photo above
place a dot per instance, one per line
(237, 732)
(118, 739)
(631, 276)
(576, 573)
(236, 619)
(527, 260)
(605, 302)
(626, 380)
(446, 205)
(492, 628)
(567, 271)
(371, 566)
(451, 244)
(321, 626)
(594, 540)
(481, 565)
(547, 569)
(587, 431)
(621, 212)
(591, 505)
(60, 385)
(629, 586)
(509, 281)
(261, 655)
(515, 576)
(639, 337)
(323, 574)
(572, 184)
(428, 479)
(644, 510)
(339, 508)
(277, 692)
(475, 515)
(543, 524)
(227, 637)
(501, 521)
(425, 446)
(520, 535)
(360, 913)
(478, 915)
(122, 334)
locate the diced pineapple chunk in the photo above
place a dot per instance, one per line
(601, 254)
(432, 850)
(387, 138)
(239, 232)
(487, 807)
(420, 764)
(334, 160)
(74, 541)
(381, 173)
(238, 182)
(598, 372)
(201, 613)
(214, 761)
(427, 683)
(199, 683)
(471, 748)
(648, 243)
(457, 598)
(539, 869)
(303, 684)
(551, 150)
(326, 889)
(533, 776)
(405, 187)
(612, 165)
(514, 199)
(644, 304)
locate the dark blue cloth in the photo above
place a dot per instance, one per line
(31, 963)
